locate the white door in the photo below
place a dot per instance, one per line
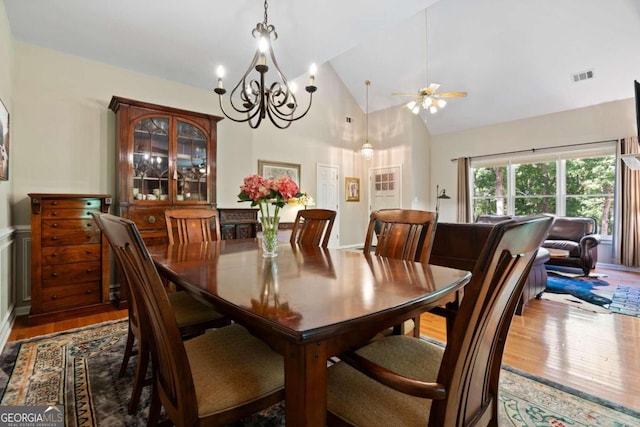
(327, 196)
(385, 190)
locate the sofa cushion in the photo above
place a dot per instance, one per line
(565, 228)
(566, 245)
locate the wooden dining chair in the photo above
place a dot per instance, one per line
(454, 386)
(401, 234)
(192, 225)
(213, 379)
(312, 227)
(192, 317)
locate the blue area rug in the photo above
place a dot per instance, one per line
(579, 287)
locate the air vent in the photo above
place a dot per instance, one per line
(582, 75)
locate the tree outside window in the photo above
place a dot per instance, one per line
(569, 186)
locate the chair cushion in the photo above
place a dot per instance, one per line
(190, 311)
(230, 368)
(348, 388)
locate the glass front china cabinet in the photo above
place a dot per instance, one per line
(166, 159)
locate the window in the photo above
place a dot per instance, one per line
(577, 183)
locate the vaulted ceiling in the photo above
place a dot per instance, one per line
(514, 58)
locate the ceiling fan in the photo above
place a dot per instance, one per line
(429, 99)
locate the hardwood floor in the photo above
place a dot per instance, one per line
(596, 353)
(21, 328)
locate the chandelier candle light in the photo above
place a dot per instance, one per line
(257, 99)
(264, 193)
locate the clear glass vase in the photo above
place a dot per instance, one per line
(270, 236)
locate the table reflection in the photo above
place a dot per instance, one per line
(269, 304)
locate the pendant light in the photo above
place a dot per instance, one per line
(367, 149)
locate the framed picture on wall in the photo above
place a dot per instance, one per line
(352, 189)
(274, 170)
(4, 142)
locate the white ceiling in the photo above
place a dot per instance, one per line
(514, 58)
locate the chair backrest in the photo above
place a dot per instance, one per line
(470, 366)
(132, 303)
(174, 380)
(192, 225)
(402, 234)
(313, 226)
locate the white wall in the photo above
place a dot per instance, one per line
(609, 121)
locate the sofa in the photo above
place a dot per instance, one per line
(579, 237)
(576, 239)
(458, 245)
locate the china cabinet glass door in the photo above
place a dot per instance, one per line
(151, 159)
(191, 163)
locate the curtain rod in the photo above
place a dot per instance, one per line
(533, 150)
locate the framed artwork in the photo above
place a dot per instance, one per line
(352, 189)
(273, 170)
(4, 142)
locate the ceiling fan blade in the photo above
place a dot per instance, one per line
(433, 87)
(452, 94)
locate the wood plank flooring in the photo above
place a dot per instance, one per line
(596, 353)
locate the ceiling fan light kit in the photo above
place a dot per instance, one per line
(427, 98)
(255, 98)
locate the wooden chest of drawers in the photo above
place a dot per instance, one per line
(69, 256)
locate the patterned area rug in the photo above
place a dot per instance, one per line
(626, 300)
(79, 370)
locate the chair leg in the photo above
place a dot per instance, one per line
(139, 380)
(416, 327)
(128, 351)
(154, 407)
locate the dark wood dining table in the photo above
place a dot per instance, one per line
(307, 303)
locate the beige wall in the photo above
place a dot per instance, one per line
(7, 238)
(6, 72)
(66, 132)
(603, 122)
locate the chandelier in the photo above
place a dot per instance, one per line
(256, 98)
(367, 149)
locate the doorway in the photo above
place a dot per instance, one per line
(327, 196)
(385, 188)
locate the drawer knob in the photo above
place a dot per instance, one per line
(89, 291)
(54, 274)
(55, 225)
(89, 225)
(88, 203)
(54, 238)
(54, 296)
(88, 214)
(89, 270)
(151, 219)
(88, 252)
(54, 203)
(54, 213)
(54, 255)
